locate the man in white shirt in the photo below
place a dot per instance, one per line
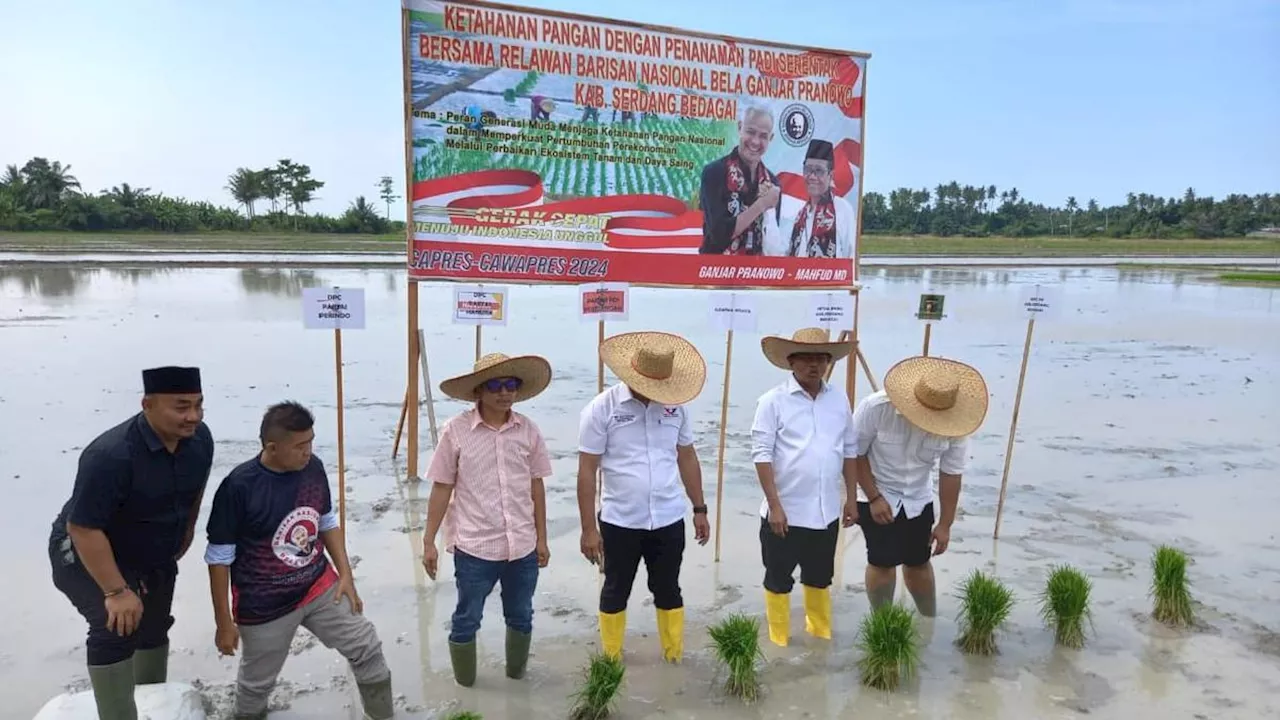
(638, 435)
(802, 443)
(924, 415)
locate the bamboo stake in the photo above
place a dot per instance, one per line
(927, 327)
(724, 421)
(404, 410)
(1013, 425)
(477, 343)
(426, 386)
(342, 452)
(871, 378)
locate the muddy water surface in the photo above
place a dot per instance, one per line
(1150, 416)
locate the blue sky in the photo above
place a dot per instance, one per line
(1092, 98)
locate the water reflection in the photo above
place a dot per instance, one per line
(54, 281)
(261, 281)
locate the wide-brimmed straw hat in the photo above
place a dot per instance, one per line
(807, 340)
(663, 367)
(534, 373)
(937, 395)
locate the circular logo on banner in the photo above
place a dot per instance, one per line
(796, 124)
(295, 542)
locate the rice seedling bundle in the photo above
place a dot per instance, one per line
(890, 644)
(1170, 587)
(736, 642)
(985, 604)
(601, 680)
(1064, 605)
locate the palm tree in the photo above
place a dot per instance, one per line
(1072, 207)
(47, 182)
(246, 186)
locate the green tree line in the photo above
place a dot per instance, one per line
(965, 210)
(45, 195)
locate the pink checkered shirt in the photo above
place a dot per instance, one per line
(492, 471)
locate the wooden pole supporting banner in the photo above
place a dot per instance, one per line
(1013, 425)
(342, 444)
(477, 343)
(927, 328)
(427, 388)
(404, 410)
(724, 421)
(871, 378)
(411, 332)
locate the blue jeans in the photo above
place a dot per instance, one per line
(475, 579)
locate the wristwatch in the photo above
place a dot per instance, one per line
(699, 509)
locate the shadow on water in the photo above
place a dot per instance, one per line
(260, 281)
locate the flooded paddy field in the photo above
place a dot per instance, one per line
(1151, 412)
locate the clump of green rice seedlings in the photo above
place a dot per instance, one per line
(1170, 588)
(464, 715)
(598, 691)
(890, 645)
(1064, 605)
(985, 604)
(736, 643)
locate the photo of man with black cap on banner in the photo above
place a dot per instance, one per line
(824, 225)
(116, 543)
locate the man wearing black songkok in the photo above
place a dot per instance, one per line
(115, 546)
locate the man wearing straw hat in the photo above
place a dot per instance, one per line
(922, 418)
(270, 528)
(638, 435)
(488, 473)
(116, 543)
(802, 444)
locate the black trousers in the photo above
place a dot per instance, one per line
(813, 550)
(102, 646)
(662, 551)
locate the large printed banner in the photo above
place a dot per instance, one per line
(560, 149)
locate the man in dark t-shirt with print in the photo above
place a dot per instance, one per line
(271, 525)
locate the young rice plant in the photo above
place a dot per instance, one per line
(890, 645)
(736, 642)
(985, 604)
(1170, 588)
(464, 715)
(601, 680)
(1064, 605)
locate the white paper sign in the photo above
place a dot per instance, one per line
(333, 308)
(480, 305)
(831, 311)
(1040, 302)
(733, 311)
(604, 301)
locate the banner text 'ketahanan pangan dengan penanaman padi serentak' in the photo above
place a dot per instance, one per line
(556, 149)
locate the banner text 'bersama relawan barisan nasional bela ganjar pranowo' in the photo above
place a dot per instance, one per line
(556, 149)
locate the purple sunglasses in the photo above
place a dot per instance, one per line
(499, 384)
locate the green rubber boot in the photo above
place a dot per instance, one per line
(377, 700)
(113, 690)
(151, 666)
(463, 657)
(517, 653)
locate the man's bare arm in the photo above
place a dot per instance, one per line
(690, 473)
(949, 494)
(588, 466)
(539, 492)
(437, 506)
(220, 590)
(94, 550)
(335, 543)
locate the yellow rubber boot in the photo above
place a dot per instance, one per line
(671, 634)
(777, 609)
(612, 627)
(817, 612)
